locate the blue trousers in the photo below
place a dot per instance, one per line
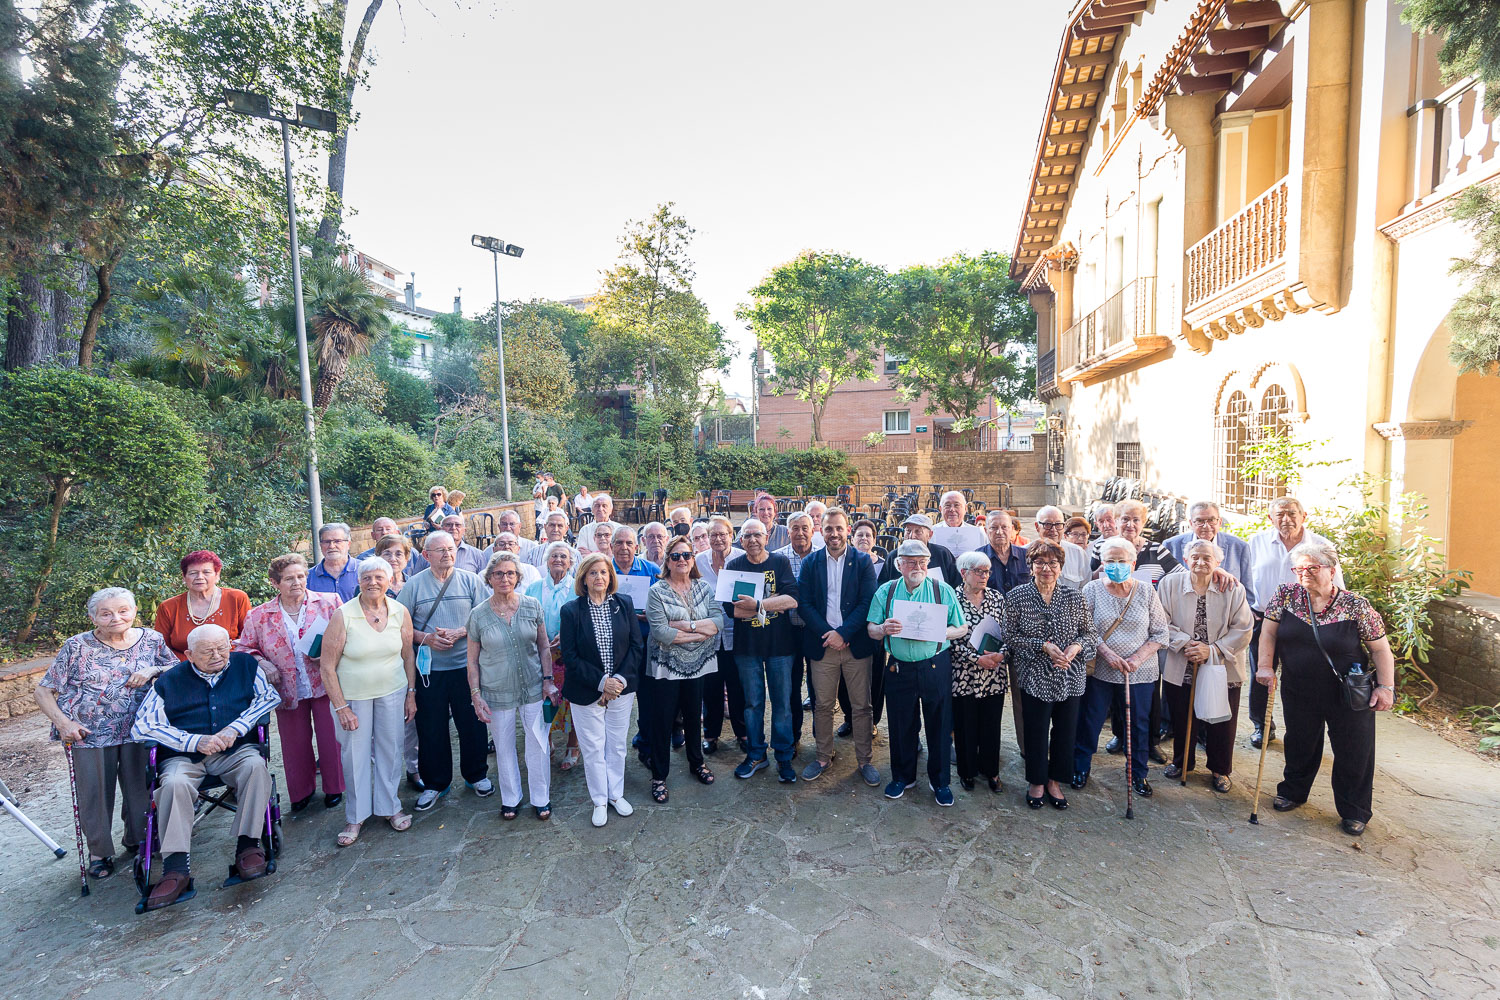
(757, 676)
(1098, 698)
(926, 685)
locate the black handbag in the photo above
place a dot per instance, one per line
(1356, 683)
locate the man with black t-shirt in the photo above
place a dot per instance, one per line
(763, 649)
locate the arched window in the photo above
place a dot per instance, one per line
(1274, 405)
(1232, 430)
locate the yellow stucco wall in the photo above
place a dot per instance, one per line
(1473, 528)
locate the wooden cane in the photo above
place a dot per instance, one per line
(1261, 770)
(1186, 764)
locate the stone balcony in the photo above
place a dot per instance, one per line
(1118, 333)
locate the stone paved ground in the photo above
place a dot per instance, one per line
(826, 890)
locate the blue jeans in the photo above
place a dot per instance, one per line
(756, 675)
(1098, 697)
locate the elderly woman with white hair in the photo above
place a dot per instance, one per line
(1131, 626)
(1329, 642)
(91, 693)
(370, 675)
(978, 678)
(510, 678)
(1205, 620)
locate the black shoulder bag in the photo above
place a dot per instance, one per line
(1356, 683)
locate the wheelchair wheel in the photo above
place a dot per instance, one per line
(140, 874)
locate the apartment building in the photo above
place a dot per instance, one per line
(1236, 224)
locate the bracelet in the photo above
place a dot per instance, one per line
(342, 707)
(1384, 687)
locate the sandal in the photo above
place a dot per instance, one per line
(509, 812)
(400, 822)
(350, 834)
(101, 867)
(658, 791)
(570, 760)
(703, 774)
(543, 812)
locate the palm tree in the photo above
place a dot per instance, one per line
(197, 322)
(346, 318)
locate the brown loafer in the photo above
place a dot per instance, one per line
(251, 862)
(172, 885)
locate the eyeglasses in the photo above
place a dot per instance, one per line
(1049, 524)
(681, 557)
(1205, 521)
(505, 574)
(1050, 564)
(1311, 570)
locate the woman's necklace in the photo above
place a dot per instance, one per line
(375, 616)
(213, 605)
(505, 609)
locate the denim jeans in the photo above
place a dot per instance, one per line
(757, 674)
(1098, 699)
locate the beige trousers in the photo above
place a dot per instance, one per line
(826, 672)
(242, 770)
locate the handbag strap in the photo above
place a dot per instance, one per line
(1123, 608)
(437, 600)
(1313, 620)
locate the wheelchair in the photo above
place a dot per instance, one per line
(213, 794)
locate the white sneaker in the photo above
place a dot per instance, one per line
(483, 788)
(601, 815)
(427, 800)
(622, 807)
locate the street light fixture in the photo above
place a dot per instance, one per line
(496, 247)
(252, 105)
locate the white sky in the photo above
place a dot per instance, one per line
(899, 132)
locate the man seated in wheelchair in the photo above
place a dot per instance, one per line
(203, 713)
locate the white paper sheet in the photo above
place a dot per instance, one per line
(987, 627)
(317, 628)
(729, 579)
(635, 588)
(921, 620)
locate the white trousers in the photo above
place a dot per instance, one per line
(410, 746)
(538, 754)
(371, 755)
(602, 741)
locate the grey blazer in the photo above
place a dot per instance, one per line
(1229, 625)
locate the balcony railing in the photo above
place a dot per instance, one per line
(1250, 242)
(1046, 374)
(1466, 135)
(1119, 331)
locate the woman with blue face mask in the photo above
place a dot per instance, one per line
(1132, 626)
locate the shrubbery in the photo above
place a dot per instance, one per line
(816, 470)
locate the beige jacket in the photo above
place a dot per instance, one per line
(1229, 625)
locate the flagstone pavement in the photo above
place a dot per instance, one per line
(820, 890)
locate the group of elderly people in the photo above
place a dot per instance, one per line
(367, 680)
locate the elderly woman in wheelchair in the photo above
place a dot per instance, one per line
(206, 717)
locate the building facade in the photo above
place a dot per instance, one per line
(411, 325)
(1236, 226)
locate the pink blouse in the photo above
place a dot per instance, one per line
(265, 637)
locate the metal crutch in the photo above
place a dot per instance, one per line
(8, 802)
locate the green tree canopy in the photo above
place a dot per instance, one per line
(83, 437)
(1472, 38)
(1475, 319)
(818, 317)
(379, 468)
(966, 331)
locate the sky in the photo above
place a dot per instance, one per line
(897, 132)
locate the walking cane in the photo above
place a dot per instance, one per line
(1129, 778)
(83, 872)
(1270, 705)
(1187, 751)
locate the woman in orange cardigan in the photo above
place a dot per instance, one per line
(205, 603)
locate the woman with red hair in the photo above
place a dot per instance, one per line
(205, 603)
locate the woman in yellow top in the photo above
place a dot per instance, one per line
(371, 679)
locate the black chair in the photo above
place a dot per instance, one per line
(481, 529)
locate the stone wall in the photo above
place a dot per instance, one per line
(17, 682)
(1465, 656)
(1025, 471)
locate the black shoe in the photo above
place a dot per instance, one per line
(301, 804)
(414, 782)
(1201, 735)
(1173, 772)
(1282, 805)
(105, 867)
(710, 746)
(1163, 732)
(995, 785)
(679, 739)
(1154, 755)
(1352, 827)
(490, 749)
(1055, 802)
(329, 801)
(968, 783)
(1080, 779)
(1115, 745)
(844, 732)
(1035, 803)
(1143, 788)
(744, 744)
(807, 704)
(1256, 737)
(636, 741)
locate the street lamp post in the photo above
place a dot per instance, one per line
(252, 105)
(496, 247)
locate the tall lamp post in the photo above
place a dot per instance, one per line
(243, 102)
(496, 247)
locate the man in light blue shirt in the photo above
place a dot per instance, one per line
(1204, 521)
(335, 572)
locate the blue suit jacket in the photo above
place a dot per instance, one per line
(1236, 557)
(858, 587)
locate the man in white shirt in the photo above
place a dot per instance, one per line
(953, 533)
(1270, 567)
(510, 520)
(799, 526)
(555, 530)
(604, 508)
(507, 542)
(1049, 526)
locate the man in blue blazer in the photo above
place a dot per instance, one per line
(1204, 520)
(834, 591)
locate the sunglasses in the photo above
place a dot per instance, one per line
(681, 557)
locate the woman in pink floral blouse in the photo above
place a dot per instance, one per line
(91, 693)
(280, 634)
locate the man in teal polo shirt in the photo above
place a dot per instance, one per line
(918, 674)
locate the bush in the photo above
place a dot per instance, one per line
(816, 470)
(408, 399)
(378, 468)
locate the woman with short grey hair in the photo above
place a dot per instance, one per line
(91, 693)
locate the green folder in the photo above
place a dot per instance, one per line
(744, 588)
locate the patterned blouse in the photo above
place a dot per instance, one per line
(1292, 598)
(89, 678)
(1145, 620)
(970, 680)
(684, 661)
(1031, 622)
(604, 632)
(268, 636)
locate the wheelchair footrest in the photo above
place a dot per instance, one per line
(236, 879)
(186, 895)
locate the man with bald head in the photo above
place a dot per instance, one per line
(604, 509)
(382, 528)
